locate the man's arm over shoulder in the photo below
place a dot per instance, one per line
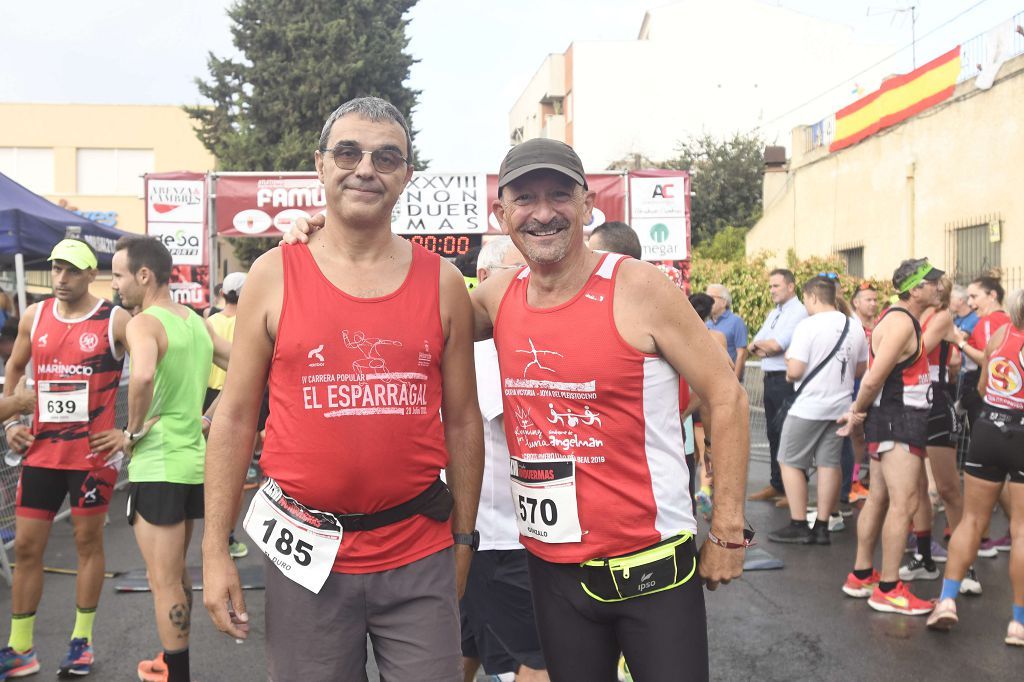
(486, 298)
(463, 426)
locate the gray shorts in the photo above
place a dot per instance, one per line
(810, 441)
(411, 614)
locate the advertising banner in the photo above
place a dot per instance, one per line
(659, 207)
(432, 203)
(190, 285)
(175, 214)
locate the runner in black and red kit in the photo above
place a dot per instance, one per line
(997, 453)
(895, 397)
(76, 344)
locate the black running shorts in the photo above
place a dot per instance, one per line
(498, 626)
(906, 425)
(41, 491)
(165, 504)
(997, 449)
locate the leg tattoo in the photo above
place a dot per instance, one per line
(181, 619)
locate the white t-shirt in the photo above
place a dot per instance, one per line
(496, 516)
(830, 392)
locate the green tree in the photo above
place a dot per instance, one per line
(725, 180)
(728, 244)
(299, 60)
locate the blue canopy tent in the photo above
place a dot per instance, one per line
(30, 226)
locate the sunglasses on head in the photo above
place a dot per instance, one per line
(829, 275)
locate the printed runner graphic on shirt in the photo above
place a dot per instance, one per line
(571, 425)
(376, 376)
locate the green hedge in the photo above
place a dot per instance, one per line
(747, 280)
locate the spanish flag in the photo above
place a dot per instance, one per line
(898, 99)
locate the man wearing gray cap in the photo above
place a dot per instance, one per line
(591, 347)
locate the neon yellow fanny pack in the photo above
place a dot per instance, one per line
(663, 566)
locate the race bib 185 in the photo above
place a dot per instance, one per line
(301, 542)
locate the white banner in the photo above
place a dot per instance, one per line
(184, 241)
(175, 201)
(434, 203)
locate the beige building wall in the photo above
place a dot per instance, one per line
(164, 130)
(66, 128)
(900, 192)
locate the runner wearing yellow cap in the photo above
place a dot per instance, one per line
(76, 344)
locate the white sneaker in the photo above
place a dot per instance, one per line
(1015, 634)
(836, 523)
(970, 584)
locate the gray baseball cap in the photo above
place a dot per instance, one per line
(541, 153)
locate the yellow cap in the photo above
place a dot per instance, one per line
(76, 252)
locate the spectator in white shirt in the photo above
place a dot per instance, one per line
(809, 433)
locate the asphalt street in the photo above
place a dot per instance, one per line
(789, 624)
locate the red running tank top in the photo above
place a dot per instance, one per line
(574, 389)
(65, 351)
(355, 399)
(1004, 387)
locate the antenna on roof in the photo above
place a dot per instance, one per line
(894, 12)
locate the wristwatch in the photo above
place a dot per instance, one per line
(471, 540)
(132, 437)
(961, 345)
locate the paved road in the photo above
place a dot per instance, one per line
(792, 624)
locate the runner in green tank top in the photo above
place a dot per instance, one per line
(171, 349)
(174, 450)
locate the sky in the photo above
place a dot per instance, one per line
(475, 57)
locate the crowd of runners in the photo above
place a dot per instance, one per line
(546, 526)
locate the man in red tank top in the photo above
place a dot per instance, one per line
(365, 337)
(591, 348)
(893, 404)
(76, 344)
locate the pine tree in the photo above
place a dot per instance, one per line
(300, 59)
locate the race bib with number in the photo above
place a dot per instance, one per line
(63, 401)
(544, 496)
(301, 542)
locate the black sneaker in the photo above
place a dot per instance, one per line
(794, 534)
(820, 534)
(919, 569)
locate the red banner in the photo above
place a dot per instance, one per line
(190, 285)
(266, 205)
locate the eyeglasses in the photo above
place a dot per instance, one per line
(829, 275)
(865, 286)
(347, 157)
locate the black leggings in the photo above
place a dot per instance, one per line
(663, 635)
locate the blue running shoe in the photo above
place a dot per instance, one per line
(13, 664)
(79, 659)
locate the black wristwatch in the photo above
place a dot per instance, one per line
(471, 540)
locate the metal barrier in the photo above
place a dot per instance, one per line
(753, 382)
(9, 476)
